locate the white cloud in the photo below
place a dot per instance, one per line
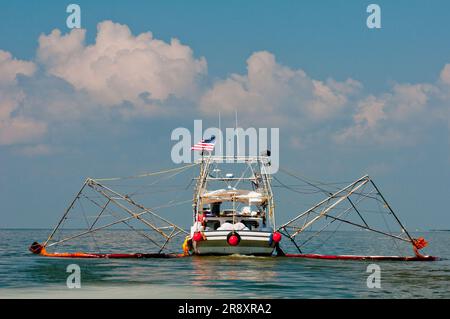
(10, 68)
(123, 76)
(396, 117)
(139, 75)
(319, 109)
(371, 111)
(121, 67)
(18, 130)
(445, 74)
(270, 89)
(15, 127)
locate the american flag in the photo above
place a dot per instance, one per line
(207, 145)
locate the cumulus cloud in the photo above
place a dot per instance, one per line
(119, 75)
(18, 130)
(397, 116)
(329, 108)
(11, 67)
(445, 74)
(15, 127)
(122, 75)
(269, 89)
(120, 67)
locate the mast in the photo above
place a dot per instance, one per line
(201, 184)
(268, 190)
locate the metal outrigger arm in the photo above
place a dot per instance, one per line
(135, 211)
(353, 194)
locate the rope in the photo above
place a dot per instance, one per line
(311, 183)
(292, 189)
(145, 174)
(162, 178)
(88, 225)
(387, 226)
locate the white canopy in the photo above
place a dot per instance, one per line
(239, 195)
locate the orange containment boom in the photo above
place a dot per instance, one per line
(38, 249)
(355, 257)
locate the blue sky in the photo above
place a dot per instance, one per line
(390, 120)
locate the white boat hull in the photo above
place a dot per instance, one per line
(252, 243)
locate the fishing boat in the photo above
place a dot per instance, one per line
(233, 213)
(234, 219)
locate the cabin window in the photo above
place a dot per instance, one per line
(250, 224)
(213, 224)
(215, 209)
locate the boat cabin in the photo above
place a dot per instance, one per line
(223, 210)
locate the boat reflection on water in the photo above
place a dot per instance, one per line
(232, 270)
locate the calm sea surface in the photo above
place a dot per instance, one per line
(23, 275)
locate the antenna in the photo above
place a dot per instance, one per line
(236, 130)
(221, 137)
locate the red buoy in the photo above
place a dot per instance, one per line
(36, 248)
(197, 236)
(233, 240)
(276, 237)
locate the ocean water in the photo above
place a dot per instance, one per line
(23, 275)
